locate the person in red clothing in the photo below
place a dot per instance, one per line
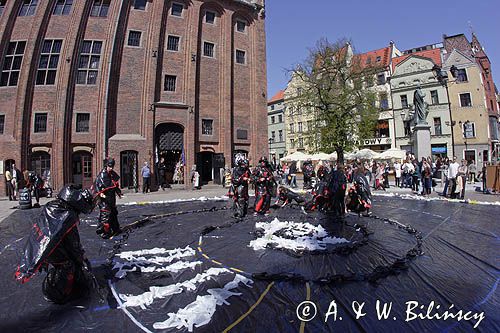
(264, 181)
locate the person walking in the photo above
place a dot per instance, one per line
(16, 179)
(146, 178)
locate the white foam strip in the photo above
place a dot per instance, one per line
(200, 312)
(174, 253)
(134, 266)
(174, 201)
(120, 306)
(299, 236)
(417, 197)
(154, 292)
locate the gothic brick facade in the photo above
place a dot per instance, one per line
(134, 80)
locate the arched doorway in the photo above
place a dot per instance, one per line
(169, 144)
(82, 169)
(129, 170)
(40, 163)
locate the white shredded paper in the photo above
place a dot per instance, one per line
(200, 312)
(299, 236)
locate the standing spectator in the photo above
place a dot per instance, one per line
(426, 177)
(472, 172)
(397, 173)
(146, 177)
(452, 176)
(415, 176)
(293, 174)
(483, 177)
(195, 178)
(16, 179)
(386, 175)
(462, 173)
(8, 183)
(162, 174)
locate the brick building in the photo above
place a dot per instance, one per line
(132, 79)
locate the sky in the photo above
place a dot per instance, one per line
(294, 26)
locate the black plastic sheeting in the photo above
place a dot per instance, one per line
(459, 266)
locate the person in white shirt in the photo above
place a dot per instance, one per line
(397, 172)
(452, 175)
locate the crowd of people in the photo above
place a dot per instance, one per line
(16, 180)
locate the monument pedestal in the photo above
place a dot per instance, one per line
(422, 134)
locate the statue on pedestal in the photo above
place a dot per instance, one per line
(420, 107)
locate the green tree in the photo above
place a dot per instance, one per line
(332, 83)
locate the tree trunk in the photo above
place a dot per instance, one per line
(340, 156)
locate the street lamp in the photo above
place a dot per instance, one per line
(442, 78)
(271, 140)
(464, 127)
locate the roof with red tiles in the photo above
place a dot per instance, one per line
(434, 55)
(280, 95)
(379, 58)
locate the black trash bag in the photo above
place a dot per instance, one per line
(55, 227)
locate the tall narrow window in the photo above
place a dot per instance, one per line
(465, 100)
(292, 143)
(40, 125)
(63, 7)
(2, 6)
(241, 26)
(301, 142)
(207, 126)
(240, 57)
(299, 127)
(140, 4)
(49, 58)
(177, 9)
(209, 17)
(291, 128)
(2, 123)
(280, 135)
(434, 97)
(28, 8)
(469, 130)
(134, 38)
(12, 64)
(82, 122)
(169, 84)
(437, 126)
(384, 101)
(462, 75)
(404, 101)
(380, 79)
(173, 43)
(88, 64)
(208, 49)
(100, 8)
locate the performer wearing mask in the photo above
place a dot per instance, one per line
(263, 179)
(107, 187)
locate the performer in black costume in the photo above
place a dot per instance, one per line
(264, 181)
(36, 185)
(359, 196)
(338, 185)
(239, 187)
(54, 245)
(308, 171)
(321, 192)
(107, 188)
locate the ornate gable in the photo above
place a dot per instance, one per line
(413, 64)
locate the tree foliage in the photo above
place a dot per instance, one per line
(332, 83)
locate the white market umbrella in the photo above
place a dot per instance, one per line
(333, 156)
(366, 154)
(350, 156)
(320, 157)
(393, 153)
(295, 157)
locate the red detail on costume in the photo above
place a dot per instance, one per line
(258, 207)
(27, 278)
